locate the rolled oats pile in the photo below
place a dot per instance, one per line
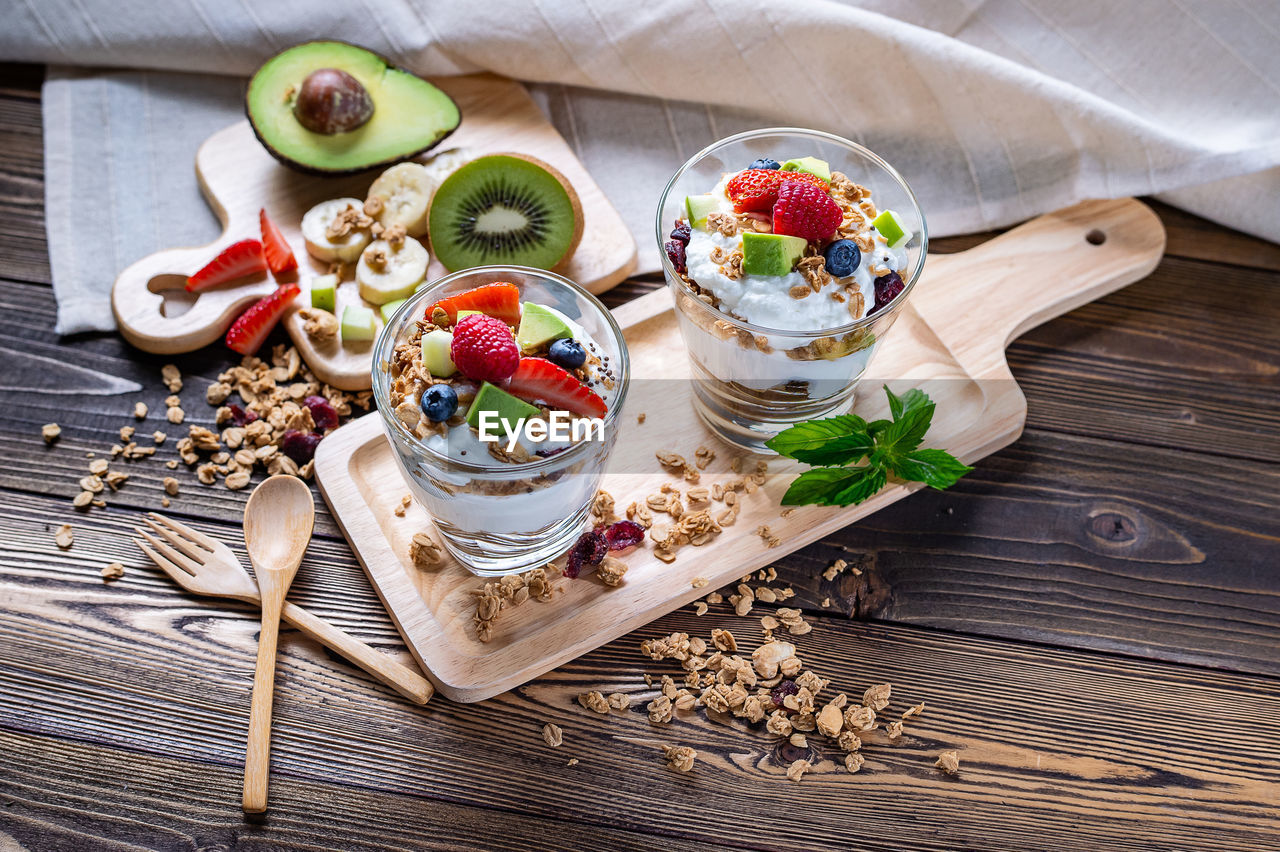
(510, 591)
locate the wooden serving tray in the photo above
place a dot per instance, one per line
(238, 177)
(949, 339)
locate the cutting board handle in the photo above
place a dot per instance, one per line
(978, 300)
(139, 304)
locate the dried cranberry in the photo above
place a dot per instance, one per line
(887, 288)
(682, 232)
(782, 690)
(239, 417)
(590, 548)
(623, 534)
(299, 446)
(322, 413)
(675, 251)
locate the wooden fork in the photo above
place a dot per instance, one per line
(205, 566)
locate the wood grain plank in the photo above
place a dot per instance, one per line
(1075, 542)
(1165, 362)
(59, 794)
(1055, 539)
(23, 251)
(1048, 738)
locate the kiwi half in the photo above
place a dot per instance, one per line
(504, 208)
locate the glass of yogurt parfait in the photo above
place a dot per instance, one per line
(789, 253)
(519, 355)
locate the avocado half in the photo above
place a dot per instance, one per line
(409, 114)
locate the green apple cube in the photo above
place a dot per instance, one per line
(437, 345)
(509, 410)
(538, 325)
(812, 165)
(770, 254)
(358, 323)
(891, 228)
(698, 206)
(464, 313)
(324, 293)
(390, 308)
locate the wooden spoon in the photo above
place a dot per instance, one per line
(278, 520)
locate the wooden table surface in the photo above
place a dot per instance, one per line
(1092, 616)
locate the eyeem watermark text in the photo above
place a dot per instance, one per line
(559, 426)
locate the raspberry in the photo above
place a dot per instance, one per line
(590, 549)
(887, 289)
(756, 190)
(805, 210)
(484, 348)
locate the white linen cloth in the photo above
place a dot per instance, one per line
(994, 111)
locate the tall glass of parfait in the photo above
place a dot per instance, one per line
(789, 253)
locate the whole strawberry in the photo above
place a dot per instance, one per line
(756, 190)
(805, 210)
(484, 349)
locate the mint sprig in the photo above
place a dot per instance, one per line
(834, 445)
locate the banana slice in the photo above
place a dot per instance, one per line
(315, 227)
(390, 271)
(404, 191)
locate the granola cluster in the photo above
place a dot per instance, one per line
(510, 591)
(271, 393)
(773, 687)
(695, 520)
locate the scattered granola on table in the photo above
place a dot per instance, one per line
(679, 758)
(114, 571)
(552, 734)
(64, 537)
(948, 762)
(50, 432)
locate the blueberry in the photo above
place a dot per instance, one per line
(843, 256)
(568, 353)
(439, 402)
(765, 163)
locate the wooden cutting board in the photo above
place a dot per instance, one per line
(949, 340)
(239, 177)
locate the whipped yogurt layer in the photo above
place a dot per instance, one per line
(767, 300)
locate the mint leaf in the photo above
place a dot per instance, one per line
(861, 488)
(850, 449)
(888, 445)
(815, 434)
(909, 401)
(816, 485)
(905, 433)
(834, 486)
(935, 468)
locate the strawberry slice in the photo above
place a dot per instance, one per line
(235, 261)
(247, 333)
(275, 249)
(499, 299)
(538, 379)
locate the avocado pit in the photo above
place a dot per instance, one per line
(332, 101)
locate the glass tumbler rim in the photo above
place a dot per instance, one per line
(679, 282)
(384, 347)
